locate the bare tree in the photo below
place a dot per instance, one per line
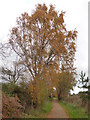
(14, 74)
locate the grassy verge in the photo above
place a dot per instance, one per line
(40, 112)
(74, 111)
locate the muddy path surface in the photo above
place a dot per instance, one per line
(57, 111)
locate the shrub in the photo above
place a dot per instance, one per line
(11, 107)
(9, 88)
(21, 90)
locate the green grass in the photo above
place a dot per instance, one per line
(74, 111)
(47, 107)
(40, 112)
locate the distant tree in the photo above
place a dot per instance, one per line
(65, 84)
(12, 75)
(84, 83)
(4, 50)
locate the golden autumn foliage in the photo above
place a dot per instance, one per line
(38, 91)
(44, 46)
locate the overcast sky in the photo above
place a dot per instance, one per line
(76, 17)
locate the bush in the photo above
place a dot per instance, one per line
(11, 107)
(77, 101)
(84, 96)
(21, 90)
(74, 99)
(9, 88)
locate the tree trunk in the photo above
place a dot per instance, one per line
(59, 95)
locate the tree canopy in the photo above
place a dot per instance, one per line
(42, 39)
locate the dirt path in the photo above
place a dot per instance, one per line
(57, 111)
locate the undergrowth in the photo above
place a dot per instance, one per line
(74, 111)
(40, 112)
